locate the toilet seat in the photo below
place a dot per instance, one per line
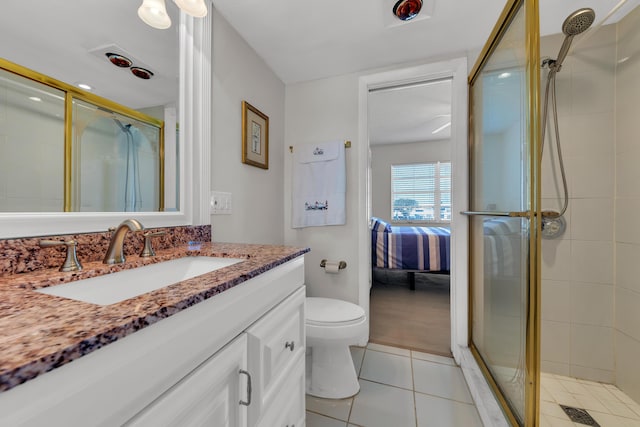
(332, 312)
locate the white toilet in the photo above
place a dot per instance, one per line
(332, 326)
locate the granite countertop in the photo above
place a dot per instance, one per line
(40, 332)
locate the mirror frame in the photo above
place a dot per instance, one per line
(194, 152)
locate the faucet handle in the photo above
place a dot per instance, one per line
(71, 262)
(147, 250)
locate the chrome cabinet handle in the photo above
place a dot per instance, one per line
(248, 402)
(290, 345)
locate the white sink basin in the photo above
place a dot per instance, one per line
(116, 287)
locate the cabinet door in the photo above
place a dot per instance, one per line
(288, 408)
(275, 343)
(210, 395)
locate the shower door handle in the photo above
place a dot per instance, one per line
(524, 214)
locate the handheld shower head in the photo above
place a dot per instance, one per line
(578, 21)
(575, 24)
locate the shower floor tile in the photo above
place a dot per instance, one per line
(607, 404)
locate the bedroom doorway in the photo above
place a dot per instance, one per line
(409, 128)
(456, 69)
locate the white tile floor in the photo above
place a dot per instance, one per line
(608, 406)
(399, 388)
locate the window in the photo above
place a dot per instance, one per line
(421, 192)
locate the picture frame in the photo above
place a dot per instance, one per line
(255, 136)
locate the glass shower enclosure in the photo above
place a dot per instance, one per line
(504, 205)
(68, 150)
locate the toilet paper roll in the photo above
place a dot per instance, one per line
(332, 267)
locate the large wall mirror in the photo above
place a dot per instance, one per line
(123, 163)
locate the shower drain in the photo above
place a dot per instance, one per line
(580, 416)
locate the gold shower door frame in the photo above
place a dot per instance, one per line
(72, 93)
(528, 216)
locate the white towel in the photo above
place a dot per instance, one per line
(319, 185)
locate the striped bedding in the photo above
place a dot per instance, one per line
(411, 248)
(504, 247)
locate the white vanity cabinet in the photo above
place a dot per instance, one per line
(190, 369)
(288, 407)
(261, 372)
(276, 349)
(208, 396)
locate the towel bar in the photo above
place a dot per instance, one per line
(347, 144)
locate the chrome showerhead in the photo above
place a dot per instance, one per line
(575, 24)
(578, 21)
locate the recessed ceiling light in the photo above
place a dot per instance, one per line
(406, 10)
(625, 59)
(84, 86)
(504, 75)
(119, 60)
(35, 98)
(142, 73)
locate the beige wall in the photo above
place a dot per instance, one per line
(627, 206)
(258, 201)
(329, 109)
(319, 111)
(383, 156)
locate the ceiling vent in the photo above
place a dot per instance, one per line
(114, 54)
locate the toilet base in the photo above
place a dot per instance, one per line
(330, 372)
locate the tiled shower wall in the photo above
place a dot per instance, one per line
(578, 268)
(627, 206)
(591, 285)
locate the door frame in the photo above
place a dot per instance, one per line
(456, 69)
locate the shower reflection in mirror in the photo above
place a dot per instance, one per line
(115, 160)
(62, 150)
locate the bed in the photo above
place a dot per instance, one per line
(414, 249)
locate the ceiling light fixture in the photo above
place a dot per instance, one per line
(441, 128)
(154, 12)
(195, 8)
(406, 10)
(142, 73)
(119, 60)
(84, 86)
(35, 98)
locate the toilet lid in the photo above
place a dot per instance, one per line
(329, 310)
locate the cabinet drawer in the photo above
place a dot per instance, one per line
(276, 341)
(288, 408)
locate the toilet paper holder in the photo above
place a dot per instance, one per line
(341, 266)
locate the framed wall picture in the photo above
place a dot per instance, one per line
(255, 137)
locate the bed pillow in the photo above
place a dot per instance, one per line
(379, 225)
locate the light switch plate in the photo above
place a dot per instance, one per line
(221, 203)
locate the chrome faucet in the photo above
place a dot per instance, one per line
(115, 253)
